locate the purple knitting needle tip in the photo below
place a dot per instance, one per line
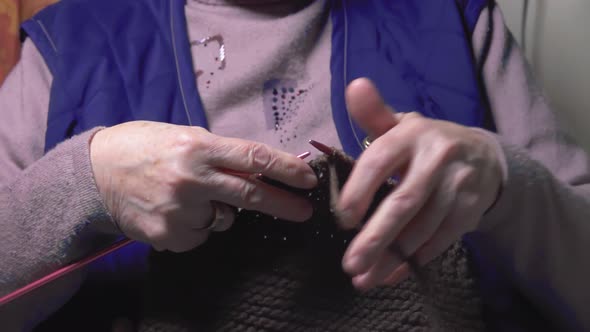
(322, 147)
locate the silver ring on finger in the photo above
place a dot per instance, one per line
(220, 217)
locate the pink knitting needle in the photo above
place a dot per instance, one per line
(75, 266)
(62, 272)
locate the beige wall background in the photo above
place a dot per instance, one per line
(558, 47)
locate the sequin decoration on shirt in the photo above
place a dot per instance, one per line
(218, 55)
(282, 100)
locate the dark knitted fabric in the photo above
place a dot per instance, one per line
(270, 275)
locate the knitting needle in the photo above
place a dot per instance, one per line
(84, 262)
(334, 188)
(304, 155)
(322, 147)
(62, 272)
(259, 176)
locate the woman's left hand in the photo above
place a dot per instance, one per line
(450, 175)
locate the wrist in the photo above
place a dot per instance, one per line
(98, 146)
(498, 164)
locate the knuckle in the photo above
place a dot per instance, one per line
(156, 234)
(465, 176)
(204, 176)
(450, 147)
(295, 169)
(250, 194)
(189, 141)
(176, 182)
(404, 200)
(415, 119)
(442, 150)
(199, 131)
(373, 241)
(379, 165)
(259, 156)
(184, 138)
(376, 164)
(414, 126)
(413, 115)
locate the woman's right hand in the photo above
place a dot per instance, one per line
(159, 180)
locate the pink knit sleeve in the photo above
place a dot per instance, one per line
(541, 221)
(50, 209)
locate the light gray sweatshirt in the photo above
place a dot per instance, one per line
(51, 212)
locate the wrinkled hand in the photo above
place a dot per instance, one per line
(450, 175)
(158, 181)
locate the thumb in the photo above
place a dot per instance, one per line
(368, 109)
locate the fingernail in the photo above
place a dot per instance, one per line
(395, 279)
(359, 285)
(350, 264)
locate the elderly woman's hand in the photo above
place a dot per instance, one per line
(159, 181)
(450, 175)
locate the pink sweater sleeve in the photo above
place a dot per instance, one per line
(51, 212)
(541, 221)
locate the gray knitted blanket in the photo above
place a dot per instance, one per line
(271, 275)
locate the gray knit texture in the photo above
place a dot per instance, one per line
(271, 275)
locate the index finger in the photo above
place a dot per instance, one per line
(377, 164)
(253, 157)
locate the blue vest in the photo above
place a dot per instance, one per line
(121, 60)
(114, 61)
